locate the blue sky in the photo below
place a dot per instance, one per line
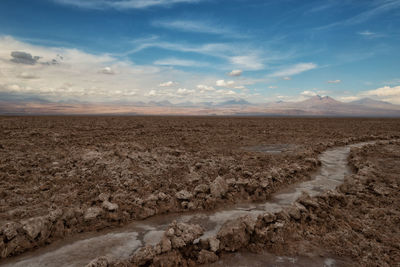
(200, 50)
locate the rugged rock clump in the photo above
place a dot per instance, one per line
(236, 234)
(177, 238)
(219, 187)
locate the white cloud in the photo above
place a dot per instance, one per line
(349, 98)
(241, 87)
(334, 81)
(280, 97)
(168, 84)
(308, 93)
(203, 87)
(122, 4)
(152, 93)
(107, 70)
(385, 91)
(184, 91)
(287, 78)
(294, 69)
(235, 73)
(249, 62)
(226, 92)
(14, 87)
(27, 75)
(223, 83)
(273, 87)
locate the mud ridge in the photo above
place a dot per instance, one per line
(23, 235)
(297, 230)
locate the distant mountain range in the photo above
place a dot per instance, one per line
(166, 103)
(375, 103)
(326, 105)
(314, 106)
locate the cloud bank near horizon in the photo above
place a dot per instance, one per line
(59, 73)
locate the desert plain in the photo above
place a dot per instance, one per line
(64, 176)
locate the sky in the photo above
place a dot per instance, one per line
(200, 50)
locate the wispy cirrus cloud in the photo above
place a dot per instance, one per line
(179, 62)
(376, 8)
(294, 70)
(207, 27)
(366, 33)
(212, 49)
(237, 55)
(370, 35)
(123, 4)
(322, 7)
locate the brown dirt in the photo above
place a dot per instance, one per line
(358, 224)
(362, 221)
(61, 175)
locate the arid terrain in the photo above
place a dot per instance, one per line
(61, 176)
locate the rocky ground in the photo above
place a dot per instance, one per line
(362, 220)
(62, 175)
(358, 222)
